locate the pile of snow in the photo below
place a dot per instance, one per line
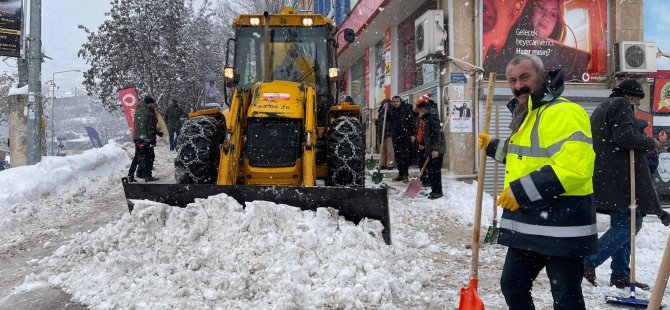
(215, 253)
(53, 175)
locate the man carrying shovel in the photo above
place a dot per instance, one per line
(548, 218)
(433, 145)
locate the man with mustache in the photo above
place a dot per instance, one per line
(548, 215)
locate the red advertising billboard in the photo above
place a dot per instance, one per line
(567, 34)
(129, 102)
(662, 95)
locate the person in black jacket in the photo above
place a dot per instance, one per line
(402, 124)
(146, 129)
(616, 132)
(433, 144)
(174, 117)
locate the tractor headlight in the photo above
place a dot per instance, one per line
(307, 22)
(229, 74)
(333, 73)
(255, 21)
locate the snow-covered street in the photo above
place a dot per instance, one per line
(65, 233)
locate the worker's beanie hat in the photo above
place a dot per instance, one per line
(148, 100)
(630, 87)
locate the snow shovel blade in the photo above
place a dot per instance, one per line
(377, 177)
(370, 163)
(352, 203)
(413, 189)
(469, 298)
(492, 233)
(627, 301)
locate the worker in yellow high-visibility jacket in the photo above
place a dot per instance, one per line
(548, 218)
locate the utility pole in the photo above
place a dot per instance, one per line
(34, 83)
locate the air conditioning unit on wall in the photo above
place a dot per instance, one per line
(636, 57)
(429, 36)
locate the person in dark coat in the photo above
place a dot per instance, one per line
(434, 147)
(386, 152)
(403, 131)
(615, 133)
(146, 129)
(174, 117)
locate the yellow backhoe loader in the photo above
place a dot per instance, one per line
(283, 131)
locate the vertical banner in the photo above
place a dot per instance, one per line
(367, 77)
(10, 27)
(387, 62)
(662, 95)
(93, 135)
(129, 102)
(571, 35)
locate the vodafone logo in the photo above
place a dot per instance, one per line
(129, 100)
(586, 77)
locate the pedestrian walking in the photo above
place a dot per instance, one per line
(174, 117)
(548, 216)
(433, 146)
(402, 121)
(384, 119)
(615, 133)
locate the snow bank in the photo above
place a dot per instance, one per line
(215, 254)
(53, 175)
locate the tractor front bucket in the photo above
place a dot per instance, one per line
(353, 203)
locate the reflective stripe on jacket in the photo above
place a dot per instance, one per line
(549, 168)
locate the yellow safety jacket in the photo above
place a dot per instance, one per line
(549, 169)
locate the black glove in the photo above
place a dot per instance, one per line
(160, 133)
(665, 218)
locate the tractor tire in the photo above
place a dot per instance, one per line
(346, 153)
(198, 150)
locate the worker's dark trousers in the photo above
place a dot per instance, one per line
(522, 267)
(401, 148)
(434, 174)
(136, 161)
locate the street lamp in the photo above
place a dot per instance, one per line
(53, 117)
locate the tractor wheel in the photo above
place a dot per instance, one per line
(346, 153)
(198, 150)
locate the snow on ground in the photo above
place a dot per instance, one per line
(217, 254)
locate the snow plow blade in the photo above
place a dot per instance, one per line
(353, 203)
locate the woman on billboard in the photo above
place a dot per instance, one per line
(540, 29)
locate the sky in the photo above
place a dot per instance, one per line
(215, 254)
(61, 39)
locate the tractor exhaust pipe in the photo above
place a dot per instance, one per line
(267, 77)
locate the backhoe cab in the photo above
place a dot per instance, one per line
(283, 130)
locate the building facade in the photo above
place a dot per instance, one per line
(448, 48)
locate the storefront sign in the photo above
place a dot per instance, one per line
(461, 116)
(387, 67)
(662, 95)
(565, 34)
(361, 15)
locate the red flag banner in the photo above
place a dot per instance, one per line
(129, 102)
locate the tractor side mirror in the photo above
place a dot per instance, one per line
(349, 35)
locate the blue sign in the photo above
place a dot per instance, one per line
(458, 78)
(93, 135)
